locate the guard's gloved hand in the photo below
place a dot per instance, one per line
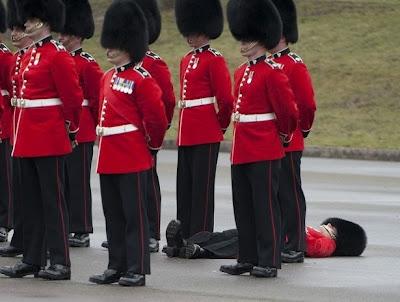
(72, 138)
(285, 139)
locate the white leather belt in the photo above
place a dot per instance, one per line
(249, 118)
(85, 103)
(4, 92)
(24, 103)
(107, 131)
(196, 102)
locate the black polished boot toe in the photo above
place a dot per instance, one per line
(171, 251)
(79, 240)
(236, 269)
(104, 244)
(264, 272)
(292, 257)
(20, 270)
(174, 233)
(191, 251)
(153, 245)
(131, 279)
(108, 277)
(10, 251)
(56, 272)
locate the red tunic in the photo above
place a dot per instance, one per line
(262, 87)
(318, 245)
(47, 72)
(130, 96)
(6, 62)
(303, 90)
(204, 74)
(15, 80)
(159, 71)
(90, 75)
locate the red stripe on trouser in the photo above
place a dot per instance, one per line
(297, 198)
(207, 192)
(61, 214)
(85, 201)
(272, 212)
(140, 224)
(156, 197)
(8, 182)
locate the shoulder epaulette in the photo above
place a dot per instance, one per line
(87, 56)
(295, 57)
(58, 45)
(153, 55)
(273, 64)
(4, 48)
(215, 52)
(143, 72)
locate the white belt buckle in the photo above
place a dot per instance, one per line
(236, 117)
(14, 102)
(21, 103)
(182, 104)
(99, 131)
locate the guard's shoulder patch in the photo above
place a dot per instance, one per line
(153, 55)
(215, 52)
(295, 57)
(4, 48)
(87, 56)
(143, 72)
(58, 45)
(273, 64)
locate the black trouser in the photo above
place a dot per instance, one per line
(257, 212)
(293, 203)
(17, 239)
(44, 210)
(6, 198)
(124, 206)
(154, 201)
(217, 245)
(195, 187)
(78, 193)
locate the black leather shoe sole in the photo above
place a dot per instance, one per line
(123, 281)
(260, 272)
(287, 258)
(75, 243)
(172, 234)
(11, 254)
(17, 275)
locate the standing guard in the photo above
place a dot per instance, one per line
(6, 195)
(132, 122)
(79, 25)
(49, 110)
(21, 42)
(291, 196)
(205, 110)
(264, 118)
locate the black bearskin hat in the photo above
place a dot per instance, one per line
(13, 19)
(125, 28)
(255, 20)
(199, 17)
(287, 10)
(78, 19)
(351, 239)
(3, 26)
(153, 17)
(51, 12)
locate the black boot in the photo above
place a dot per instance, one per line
(104, 244)
(237, 269)
(153, 245)
(174, 234)
(10, 251)
(108, 277)
(79, 240)
(292, 257)
(56, 272)
(171, 251)
(191, 251)
(19, 270)
(131, 279)
(264, 272)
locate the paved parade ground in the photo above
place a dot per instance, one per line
(364, 191)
